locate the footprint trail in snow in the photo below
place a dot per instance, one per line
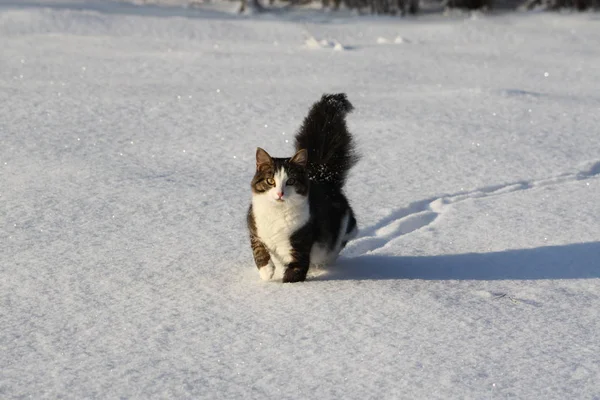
(422, 213)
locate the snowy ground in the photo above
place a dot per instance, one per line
(126, 149)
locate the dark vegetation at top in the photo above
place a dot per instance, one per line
(404, 7)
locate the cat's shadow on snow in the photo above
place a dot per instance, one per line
(573, 261)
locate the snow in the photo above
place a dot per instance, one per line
(127, 141)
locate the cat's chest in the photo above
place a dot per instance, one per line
(275, 225)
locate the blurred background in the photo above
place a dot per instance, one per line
(391, 7)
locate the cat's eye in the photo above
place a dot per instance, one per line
(271, 181)
(290, 182)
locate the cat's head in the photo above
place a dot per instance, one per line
(281, 180)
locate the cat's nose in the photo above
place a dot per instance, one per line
(279, 194)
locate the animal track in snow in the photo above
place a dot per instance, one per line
(312, 43)
(422, 213)
(397, 40)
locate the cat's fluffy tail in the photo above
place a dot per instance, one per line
(324, 135)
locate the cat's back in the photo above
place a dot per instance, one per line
(327, 200)
(334, 222)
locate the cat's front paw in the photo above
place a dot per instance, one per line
(266, 271)
(294, 275)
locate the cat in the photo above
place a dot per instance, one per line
(299, 216)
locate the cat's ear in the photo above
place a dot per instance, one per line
(300, 158)
(262, 158)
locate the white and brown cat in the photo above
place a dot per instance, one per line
(299, 216)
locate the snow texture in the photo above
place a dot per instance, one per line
(127, 141)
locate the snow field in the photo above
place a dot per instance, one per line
(127, 140)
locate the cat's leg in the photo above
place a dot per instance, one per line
(299, 256)
(297, 269)
(261, 254)
(262, 258)
(351, 229)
